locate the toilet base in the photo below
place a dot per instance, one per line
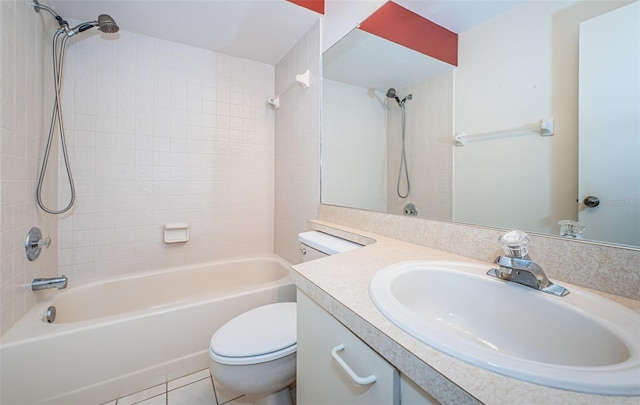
(282, 397)
(255, 381)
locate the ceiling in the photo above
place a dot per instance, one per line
(353, 58)
(458, 15)
(259, 30)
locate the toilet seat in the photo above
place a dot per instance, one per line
(262, 334)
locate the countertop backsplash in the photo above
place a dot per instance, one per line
(607, 268)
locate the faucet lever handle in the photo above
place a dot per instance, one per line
(514, 243)
(44, 242)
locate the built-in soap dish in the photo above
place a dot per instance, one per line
(176, 232)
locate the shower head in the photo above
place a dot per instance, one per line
(104, 23)
(391, 93)
(107, 24)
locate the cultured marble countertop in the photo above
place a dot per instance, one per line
(340, 284)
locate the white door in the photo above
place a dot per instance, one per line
(609, 140)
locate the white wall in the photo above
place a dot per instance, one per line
(353, 146)
(517, 69)
(297, 146)
(25, 37)
(160, 132)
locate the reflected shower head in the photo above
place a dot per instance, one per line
(391, 93)
(107, 24)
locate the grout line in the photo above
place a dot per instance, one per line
(167, 390)
(117, 400)
(186, 385)
(215, 394)
(166, 398)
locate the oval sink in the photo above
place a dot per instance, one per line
(579, 342)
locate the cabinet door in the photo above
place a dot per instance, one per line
(321, 379)
(412, 394)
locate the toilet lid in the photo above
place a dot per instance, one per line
(260, 331)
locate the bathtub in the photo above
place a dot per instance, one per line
(115, 337)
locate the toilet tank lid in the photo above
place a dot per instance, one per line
(259, 331)
(326, 243)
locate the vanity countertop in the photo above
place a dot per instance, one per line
(340, 284)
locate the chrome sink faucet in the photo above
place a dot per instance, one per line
(517, 266)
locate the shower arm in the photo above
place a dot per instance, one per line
(64, 25)
(61, 21)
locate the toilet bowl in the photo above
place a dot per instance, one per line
(254, 355)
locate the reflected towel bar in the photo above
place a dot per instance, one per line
(542, 128)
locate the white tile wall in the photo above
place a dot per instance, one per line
(429, 118)
(22, 69)
(157, 132)
(160, 132)
(297, 153)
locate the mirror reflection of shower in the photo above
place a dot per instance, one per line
(391, 93)
(105, 24)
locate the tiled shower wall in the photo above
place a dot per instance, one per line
(429, 118)
(23, 65)
(159, 133)
(297, 155)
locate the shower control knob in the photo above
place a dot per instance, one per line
(34, 243)
(591, 201)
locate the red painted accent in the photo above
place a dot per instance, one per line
(313, 5)
(404, 27)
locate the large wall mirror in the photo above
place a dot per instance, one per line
(389, 116)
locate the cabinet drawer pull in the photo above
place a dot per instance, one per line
(356, 378)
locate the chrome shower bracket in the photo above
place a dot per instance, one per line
(34, 243)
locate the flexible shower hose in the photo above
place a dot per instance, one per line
(59, 43)
(403, 159)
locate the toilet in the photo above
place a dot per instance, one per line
(254, 354)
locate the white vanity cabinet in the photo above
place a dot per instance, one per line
(322, 379)
(412, 394)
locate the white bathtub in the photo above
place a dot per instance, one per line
(118, 336)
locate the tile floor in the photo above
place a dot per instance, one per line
(194, 389)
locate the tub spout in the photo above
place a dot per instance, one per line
(44, 283)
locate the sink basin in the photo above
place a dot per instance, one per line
(579, 342)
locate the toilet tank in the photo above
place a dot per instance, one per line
(316, 244)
